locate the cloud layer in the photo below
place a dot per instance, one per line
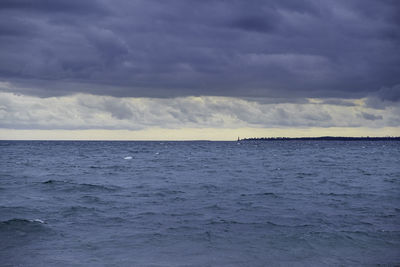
(84, 111)
(154, 48)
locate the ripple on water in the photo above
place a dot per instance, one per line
(199, 204)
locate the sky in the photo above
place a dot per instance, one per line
(198, 70)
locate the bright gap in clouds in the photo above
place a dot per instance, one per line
(85, 116)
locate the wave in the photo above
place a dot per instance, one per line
(22, 221)
(70, 186)
(109, 167)
(51, 182)
(269, 194)
(22, 226)
(359, 195)
(72, 210)
(231, 222)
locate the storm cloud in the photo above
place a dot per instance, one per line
(154, 48)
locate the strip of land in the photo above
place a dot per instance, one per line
(323, 138)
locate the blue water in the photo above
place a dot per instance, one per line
(279, 203)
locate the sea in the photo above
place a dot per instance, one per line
(200, 203)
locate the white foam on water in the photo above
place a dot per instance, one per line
(38, 220)
(128, 157)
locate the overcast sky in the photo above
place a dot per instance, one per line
(216, 64)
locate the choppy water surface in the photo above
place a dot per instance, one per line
(199, 203)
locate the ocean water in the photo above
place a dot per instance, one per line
(277, 203)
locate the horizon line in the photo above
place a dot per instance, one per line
(277, 138)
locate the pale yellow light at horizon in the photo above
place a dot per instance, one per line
(214, 134)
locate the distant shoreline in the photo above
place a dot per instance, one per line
(322, 138)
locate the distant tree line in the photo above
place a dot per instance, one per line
(323, 138)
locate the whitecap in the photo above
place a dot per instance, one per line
(128, 157)
(38, 220)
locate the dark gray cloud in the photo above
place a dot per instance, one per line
(384, 97)
(371, 117)
(154, 48)
(389, 93)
